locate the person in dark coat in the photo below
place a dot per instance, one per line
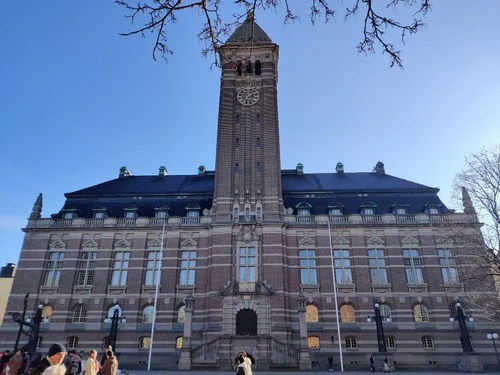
(372, 364)
(55, 356)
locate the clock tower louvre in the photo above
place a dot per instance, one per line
(248, 171)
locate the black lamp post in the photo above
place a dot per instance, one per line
(34, 324)
(113, 330)
(382, 348)
(20, 318)
(493, 336)
(464, 330)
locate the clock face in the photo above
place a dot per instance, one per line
(248, 96)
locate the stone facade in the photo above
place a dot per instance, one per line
(254, 271)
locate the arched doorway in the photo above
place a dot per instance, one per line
(246, 323)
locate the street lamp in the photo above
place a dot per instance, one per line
(34, 324)
(114, 320)
(382, 348)
(464, 331)
(493, 336)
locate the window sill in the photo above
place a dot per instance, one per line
(48, 289)
(117, 289)
(150, 289)
(82, 289)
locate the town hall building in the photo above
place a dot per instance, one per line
(185, 271)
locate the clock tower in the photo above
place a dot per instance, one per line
(247, 170)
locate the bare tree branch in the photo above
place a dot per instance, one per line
(155, 16)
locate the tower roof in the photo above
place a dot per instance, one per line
(249, 31)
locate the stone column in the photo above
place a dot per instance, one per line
(304, 357)
(185, 358)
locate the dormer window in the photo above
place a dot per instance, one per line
(399, 209)
(100, 213)
(193, 210)
(161, 212)
(70, 214)
(368, 208)
(303, 209)
(432, 208)
(130, 212)
(336, 209)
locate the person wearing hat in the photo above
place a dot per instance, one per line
(55, 356)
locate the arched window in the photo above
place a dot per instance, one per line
(111, 311)
(248, 67)
(258, 68)
(347, 314)
(420, 313)
(147, 314)
(105, 342)
(144, 342)
(351, 342)
(427, 342)
(181, 314)
(47, 312)
(238, 68)
(385, 312)
(313, 342)
(178, 343)
(72, 342)
(312, 314)
(80, 314)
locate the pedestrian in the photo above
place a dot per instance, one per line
(26, 362)
(372, 364)
(109, 348)
(248, 362)
(4, 360)
(110, 366)
(15, 364)
(67, 363)
(55, 356)
(82, 361)
(330, 363)
(386, 364)
(55, 370)
(75, 363)
(91, 365)
(241, 369)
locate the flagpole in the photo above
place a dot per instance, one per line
(157, 286)
(335, 297)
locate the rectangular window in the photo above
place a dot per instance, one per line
(152, 264)
(120, 268)
(343, 271)
(378, 270)
(448, 266)
(308, 272)
(247, 265)
(86, 265)
(187, 268)
(413, 266)
(54, 265)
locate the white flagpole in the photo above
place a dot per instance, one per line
(158, 278)
(335, 297)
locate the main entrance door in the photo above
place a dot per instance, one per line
(246, 323)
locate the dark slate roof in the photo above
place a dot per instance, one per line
(352, 182)
(319, 190)
(248, 31)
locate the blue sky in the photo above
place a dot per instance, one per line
(78, 101)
